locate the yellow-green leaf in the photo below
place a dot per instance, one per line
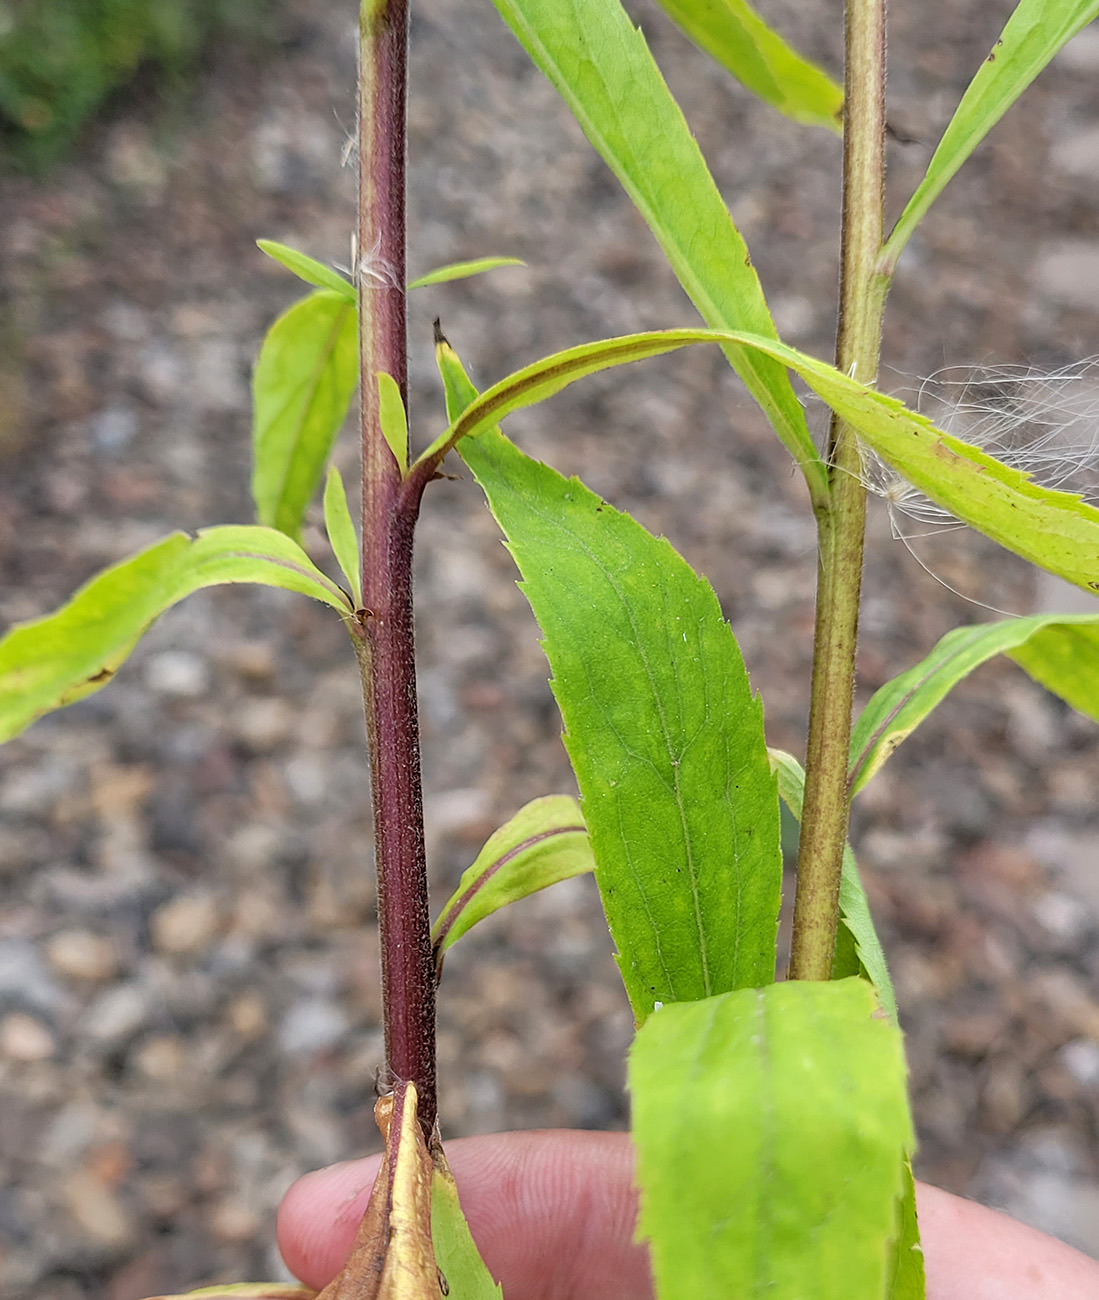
(456, 1252)
(341, 533)
(1034, 33)
(546, 841)
(598, 62)
(304, 380)
(307, 268)
(1056, 530)
(462, 270)
(731, 32)
(393, 418)
(1059, 650)
(771, 1128)
(53, 661)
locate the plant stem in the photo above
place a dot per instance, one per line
(383, 636)
(841, 527)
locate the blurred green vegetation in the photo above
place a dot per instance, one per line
(60, 60)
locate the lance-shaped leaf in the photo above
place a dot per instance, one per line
(1064, 658)
(1056, 530)
(341, 533)
(393, 1257)
(456, 1253)
(462, 270)
(308, 268)
(600, 65)
(1035, 32)
(1059, 650)
(393, 418)
(546, 841)
(323, 277)
(731, 32)
(858, 948)
(664, 734)
(301, 389)
(771, 1128)
(56, 660)
(545, 378)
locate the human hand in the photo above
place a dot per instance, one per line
(553, 1214)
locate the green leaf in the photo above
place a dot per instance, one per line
(304, 380)
(543, 379)
(771, 1127)
(1064, 658)
(313, 272)
(1035, 32)
(546, 841)
(307, 268)
(600, 65)
(1056, 530)
(456, 1252)
(392, 417)
(1060, 650)
(664, 734)
(733, 34)
(858, 948)
(341, 533)
(458, 387)
(461, 270)
(53, 661)
(906, 1271)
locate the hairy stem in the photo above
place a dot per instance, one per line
(840, 528)
(384, 634)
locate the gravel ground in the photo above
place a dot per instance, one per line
(189, 1011)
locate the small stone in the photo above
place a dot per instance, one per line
(161, 1057)
(22, 1038)
(113, 429)
(1065, 1004)
(178, 673)
(311, 1025)
(253, 660)
(254, 846)
(34, 791)
(975, 1034)
(231, 1220)
(1063, 918)
(116, 1014)
(24, 977)
(247, 1015)
(97, 1209)
(263, 724)
(1005, 1098)
(1080, 1058)
(82, 955)
(186, 924)
(307, 776)
(1068, 273)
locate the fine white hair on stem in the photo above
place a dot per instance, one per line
(372, 271)
(350, 145)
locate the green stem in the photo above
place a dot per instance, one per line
(841, 527)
